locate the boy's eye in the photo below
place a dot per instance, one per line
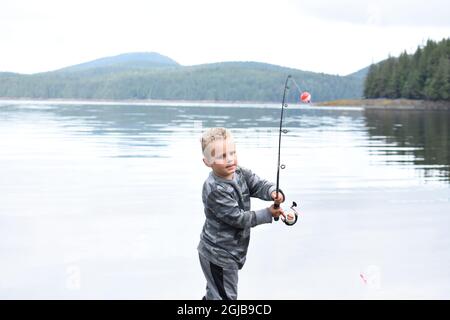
(223, 156)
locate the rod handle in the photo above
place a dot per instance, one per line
(276, 206)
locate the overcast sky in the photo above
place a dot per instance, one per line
(336, 37)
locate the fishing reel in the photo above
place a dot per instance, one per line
(291, 216)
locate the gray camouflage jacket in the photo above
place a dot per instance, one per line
(226, 233)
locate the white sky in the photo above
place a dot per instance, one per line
(336, 37)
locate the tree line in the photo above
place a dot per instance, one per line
(422, 75)
(233, 81)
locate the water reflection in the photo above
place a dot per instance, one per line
(142, 131)
(400, 137)
(420, 138)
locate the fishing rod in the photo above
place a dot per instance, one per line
(291, 218)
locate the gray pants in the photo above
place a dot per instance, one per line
(221, 283)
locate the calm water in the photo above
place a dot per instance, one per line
(103, 201)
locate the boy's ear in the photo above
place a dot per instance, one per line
(206, 162)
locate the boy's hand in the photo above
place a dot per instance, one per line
(280, 198)
(276, 212)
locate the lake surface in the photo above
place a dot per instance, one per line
(103, 201)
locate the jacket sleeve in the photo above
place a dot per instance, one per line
(226, 209)
(259, 188)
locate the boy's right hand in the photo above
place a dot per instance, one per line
(276, 212)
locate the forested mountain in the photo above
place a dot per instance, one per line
(361, 74)
(153, 76)
(422, 75)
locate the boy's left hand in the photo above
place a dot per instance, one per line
(280, 198)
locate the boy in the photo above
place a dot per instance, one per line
(226, 198)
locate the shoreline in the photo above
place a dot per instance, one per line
(403, 104)
(141, 102)
(383, 103)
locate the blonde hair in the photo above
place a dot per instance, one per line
(211, 135)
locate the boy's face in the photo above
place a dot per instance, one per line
(222, 158)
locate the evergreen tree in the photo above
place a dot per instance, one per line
(369, 82)
(423, 75)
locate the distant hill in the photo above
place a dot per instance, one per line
(136, 60)
(360, 74)
(154, 76)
